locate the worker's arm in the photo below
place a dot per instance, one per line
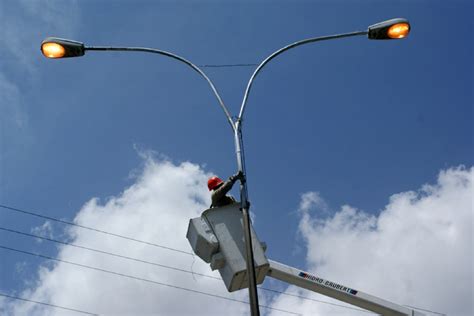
(220, 192)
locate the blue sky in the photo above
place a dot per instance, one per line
(354, 120)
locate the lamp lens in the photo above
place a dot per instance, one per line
(399, 30)
(53, 50)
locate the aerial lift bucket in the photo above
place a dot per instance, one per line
(217, 237)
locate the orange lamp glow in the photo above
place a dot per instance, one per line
(53, 50)
(399, 30)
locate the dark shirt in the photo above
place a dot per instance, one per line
(219, 197)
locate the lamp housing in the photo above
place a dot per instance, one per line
(53, 47)
(391, 29)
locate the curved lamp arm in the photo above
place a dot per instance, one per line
(53, 47)
(187, 62)
(280, 51)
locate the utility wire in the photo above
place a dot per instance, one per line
(318, 301)
(92, 229)
(426, 310)
(226, 65)
(106, 252)
(141, 279)
(47, 304)
(172, 268)
(169, 248)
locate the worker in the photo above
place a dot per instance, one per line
(220, 188)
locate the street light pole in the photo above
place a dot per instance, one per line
(391, 29)
(252, 280)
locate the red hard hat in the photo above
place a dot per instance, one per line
(213, 183)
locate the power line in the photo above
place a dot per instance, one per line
(105, 252)
(92, 229)
(47, 304)
(172, 268)
(141, 279)
(426, 310)
(318, 301)
(168, 248)
(226, 65)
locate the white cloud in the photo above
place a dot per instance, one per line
(155, 208)
(20, 267)
(312, 200)
(45, 230)
(417, 251)
(10, 104)
(23, 24)
(2, 304)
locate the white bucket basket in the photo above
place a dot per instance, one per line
(217, 237)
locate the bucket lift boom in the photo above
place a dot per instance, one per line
(217, 238)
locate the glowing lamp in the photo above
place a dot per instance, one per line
(399, 30)
(54, 47)
(53, 50)
(391, 29)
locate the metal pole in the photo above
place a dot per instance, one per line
(253, 294)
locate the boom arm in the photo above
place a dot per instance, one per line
(337, 291)
(217, 238)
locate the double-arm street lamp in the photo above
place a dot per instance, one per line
(391, 29)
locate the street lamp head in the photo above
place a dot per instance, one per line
(53, 47)
(391, 29)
